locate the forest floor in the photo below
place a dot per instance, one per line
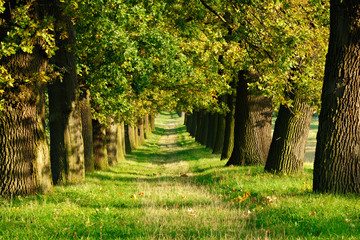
(174, 188)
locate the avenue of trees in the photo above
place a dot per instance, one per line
(82, 81)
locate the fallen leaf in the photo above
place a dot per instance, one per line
(242, 198)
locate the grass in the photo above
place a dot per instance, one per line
(173, 188)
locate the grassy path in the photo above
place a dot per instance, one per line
(173, 188)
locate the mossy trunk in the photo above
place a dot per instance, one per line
(337, 156)
(252, 132)
(100, 149)
(229, 126)
(66, 142)
(87, 131)
(24, 153)
(287, 149)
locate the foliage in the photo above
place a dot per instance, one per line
(25, 28)
(134, 63)
(283, 42)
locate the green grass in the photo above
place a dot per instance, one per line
(145, 197)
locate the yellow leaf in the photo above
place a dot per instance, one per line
(242, 198)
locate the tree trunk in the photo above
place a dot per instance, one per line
(137, 136)
(152, 122)
(287, 149)
(215, 131)
(194, 124)
(141, 131)
(100, 150)
(122, 136)
(132, 137)
(66, 143)
(211, 130)
(128, 147)
(229, 127)
(112, 144)
(204, 128)
(147, 132)
(24, 153)
(188, 122)
(337, 156)
(220, 134)
(87, 131)
(252, 133)
(120, 143)
(200, 127)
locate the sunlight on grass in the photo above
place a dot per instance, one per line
(174, 188)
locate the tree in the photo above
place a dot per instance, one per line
(252, 133)
(306, 39)
(337, 156)
(287, 149)
(100, 148)
(66, 140)
(87, 130)
(25, 34)
(229, 126)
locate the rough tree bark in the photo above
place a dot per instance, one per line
(287, 149)
(252, 133)
(100, 150)
(112, 144)
(128, 148)
(211, 130)
(147, 132)
(120, 143)
(188, 122)
(24, 153)
(122, 139)
(229, 126)
(199, 124)
(337, 156)
(220, 134)
(66, 142)
(141, 131)
(194, 124)
(132, 137)
(204, 128)
(152, 122)
(87, 131)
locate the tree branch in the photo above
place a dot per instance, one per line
(215, 13)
